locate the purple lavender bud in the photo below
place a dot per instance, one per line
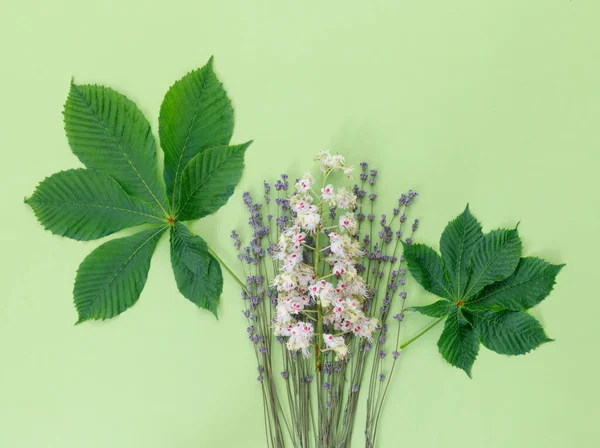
(285, 375)
(402, 271)
(308, 379)
(259, 379)
(337, 368)
(262, 349)
(247, 199)
(381, 377)
(382, 354)
(284, 177)
(280, 339)
(382, 339)
(396, 354)
(403, 218)
(412, 194)
(328, 368)
(399, 317)
(364, 165)
(267, 187)
(396, 211)
(355, 388)
(415, 225)
(408, 202)
(326, 386)
(398, 234)
(246, 313)
(250, 329)
(371, 217)
(260, 369)
(328, 404)
(373, 173)
(372, 196)
(403, 294)
(402, 281)
(364, 176)
(360, 217)
(408, 240)
(368, 347)
(372, 181)
(236, 239)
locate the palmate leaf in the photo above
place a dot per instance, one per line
(85, 204)
(122, 188)
(499, 286)
(531, 283)
(456, 245)
(107, 131)
(197, 273)
(111, 278)
(195, 114)
(507, 332)
(208, 181)
(427, 269)
(458, 343)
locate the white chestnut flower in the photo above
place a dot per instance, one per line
(347, 222)
(328, 193)
(284, 282)
(345, 199)
(305, 184)
(309, 221)
(337, 344)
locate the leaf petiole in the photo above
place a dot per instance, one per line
(422, 332)
(229, 271)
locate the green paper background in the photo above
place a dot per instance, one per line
(495, 103)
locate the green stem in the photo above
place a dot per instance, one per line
(425, 330)
(235, 277)
(319, 314)
(319, 307)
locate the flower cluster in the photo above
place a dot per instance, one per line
(304, 293)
